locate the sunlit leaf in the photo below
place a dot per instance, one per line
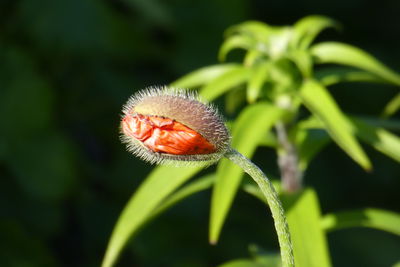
(159, 184)
(303, 61)
(258, 76)
(279, 42)
(196, 186)
(314, 123)
(235, 42)
(269, 140)
(369, 130)
(372, 218)
(319, 101)
(389, 124)
(252, 189)
(203, 75)
(234, 99)
(308, 238)
(261, 261)
(225, 82)
(259, 258)
(248, 130)
(253, 56)
(392, 107)
(309, 143)
(382, 140)
(256, 29)
(340, 53)
(307, 28)
(242, 263)
(330, 76)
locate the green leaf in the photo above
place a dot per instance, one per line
(259, 258)
(303, 61)
(373, 218)
(252, 189)
(382, 140)
(307, 28)
(242, 263)
(252, 56)
(392, 124)
(392, 107)
(234, 99)
(248, 131)
(203, 75)
(309, 143)
(158, 185)
(279, 42)
(308, 238)
(269, 140)
(330, 76)
(225, 82)
(196, 186)
(368, 130)
(257, 30)
(258, 76)
(340, 53)
(318, 100)
(235, 42)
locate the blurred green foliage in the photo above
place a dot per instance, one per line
(67, 66)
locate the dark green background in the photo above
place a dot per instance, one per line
(67, 67)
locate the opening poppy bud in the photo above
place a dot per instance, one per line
(164, 125)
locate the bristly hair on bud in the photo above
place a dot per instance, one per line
(173, 126)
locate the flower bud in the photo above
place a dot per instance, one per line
(164, 125)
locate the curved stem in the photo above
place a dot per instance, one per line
(274, 203)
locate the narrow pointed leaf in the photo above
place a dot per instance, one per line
(309, 143)
(314, 123)
(256, 29)
(392, 124)
(248, 131)
(332, 76)
(382, 140)
(159, 184)
(196, 186)
(252, 189)
(258, 76)
(340, 53)
(309, 241)
(307, 28)
(202, 76)
(392, 107)
(225, 82)
(243, 263)
(319, 101)
(303, 61)
(371, 131)
(234, 99)
(252, 56)
(235, 42)
(372, 218)
(269, 140)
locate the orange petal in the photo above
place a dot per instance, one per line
(168, 136)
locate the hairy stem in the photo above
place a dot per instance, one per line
(274, 203)
(288, 161)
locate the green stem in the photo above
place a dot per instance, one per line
(274, 203)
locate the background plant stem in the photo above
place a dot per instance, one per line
(274, 203)
(288, 161)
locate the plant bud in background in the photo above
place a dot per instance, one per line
(172, 126)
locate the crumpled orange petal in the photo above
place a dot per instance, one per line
(165, 135)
